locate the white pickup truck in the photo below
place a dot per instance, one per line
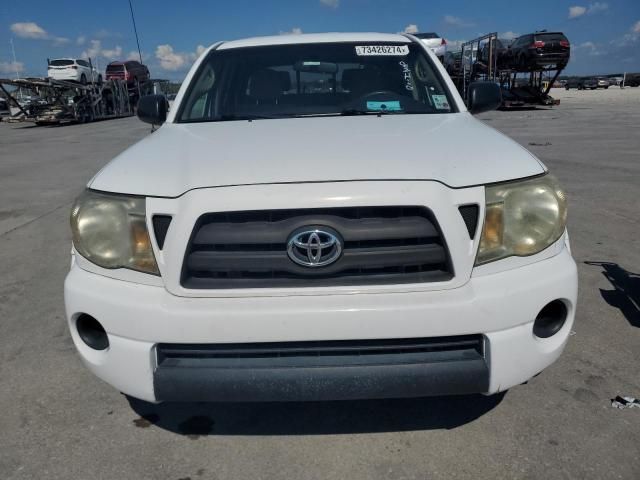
(320, 217)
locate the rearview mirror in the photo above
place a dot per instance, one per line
(315, 67)
(484, 96)
(153, 109)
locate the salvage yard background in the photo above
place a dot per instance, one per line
(59, 421)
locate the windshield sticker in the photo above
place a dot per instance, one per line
(371, 50)
(441, 102)
(393, 106)
(406, 72)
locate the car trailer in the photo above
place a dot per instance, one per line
(59, 102)
(516, 92)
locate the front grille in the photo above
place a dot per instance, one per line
(381, 245)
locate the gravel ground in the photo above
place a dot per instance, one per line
(60, 422)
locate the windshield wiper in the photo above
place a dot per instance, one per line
(234, 117)
(230, 118)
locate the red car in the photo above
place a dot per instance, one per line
(132, 71)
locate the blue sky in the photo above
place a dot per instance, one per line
(605, 36)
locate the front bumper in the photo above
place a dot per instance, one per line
(499, 306)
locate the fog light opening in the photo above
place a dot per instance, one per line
(92, 332)
(550, 319)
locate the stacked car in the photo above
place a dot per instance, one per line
(527, 53)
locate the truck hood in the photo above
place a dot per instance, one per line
(455, 149)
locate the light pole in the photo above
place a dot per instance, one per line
(15, 62)
(135, 30)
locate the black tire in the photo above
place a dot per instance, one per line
(566, 87)
(606, 87)
(83, 79)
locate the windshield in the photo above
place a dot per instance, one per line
(314, 79)
(551, 37)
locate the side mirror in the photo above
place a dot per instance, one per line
(153, 109)
(484, 96)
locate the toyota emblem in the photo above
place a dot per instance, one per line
(314, 247)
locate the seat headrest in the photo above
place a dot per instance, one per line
(266, 84)
(285, 80)
(360, 80)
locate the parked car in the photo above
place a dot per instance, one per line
(632, 80)
(435, 42)
(500, 51)
(539, 50)
(615, 81)
(587, 83)
(453, 62)
(74, 69)
(133, 72)
(267, 243)
(602, 82)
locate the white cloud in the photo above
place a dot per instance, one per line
(591, 48)
(597, 7)
(411, 28)
(11, 67)
(133, 55)
(113, 53)
(456, 21)
(96, 51)
(578, 10)
(629, 38)
(33, 31)
(200, 49)
(29, 30)
(81, 40)
(173, 61)
(508, 35)
(330, 3)
(293, 31)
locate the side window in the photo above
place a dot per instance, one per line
(202, 97)
(82, 63)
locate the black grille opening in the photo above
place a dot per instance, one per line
(470, 217)
(381, 245)
(465, 345)
(160, 228)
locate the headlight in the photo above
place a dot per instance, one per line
(110, 231)
(522, 218)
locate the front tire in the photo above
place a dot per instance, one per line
(83, 79)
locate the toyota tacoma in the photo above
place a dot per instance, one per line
(300, 228)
